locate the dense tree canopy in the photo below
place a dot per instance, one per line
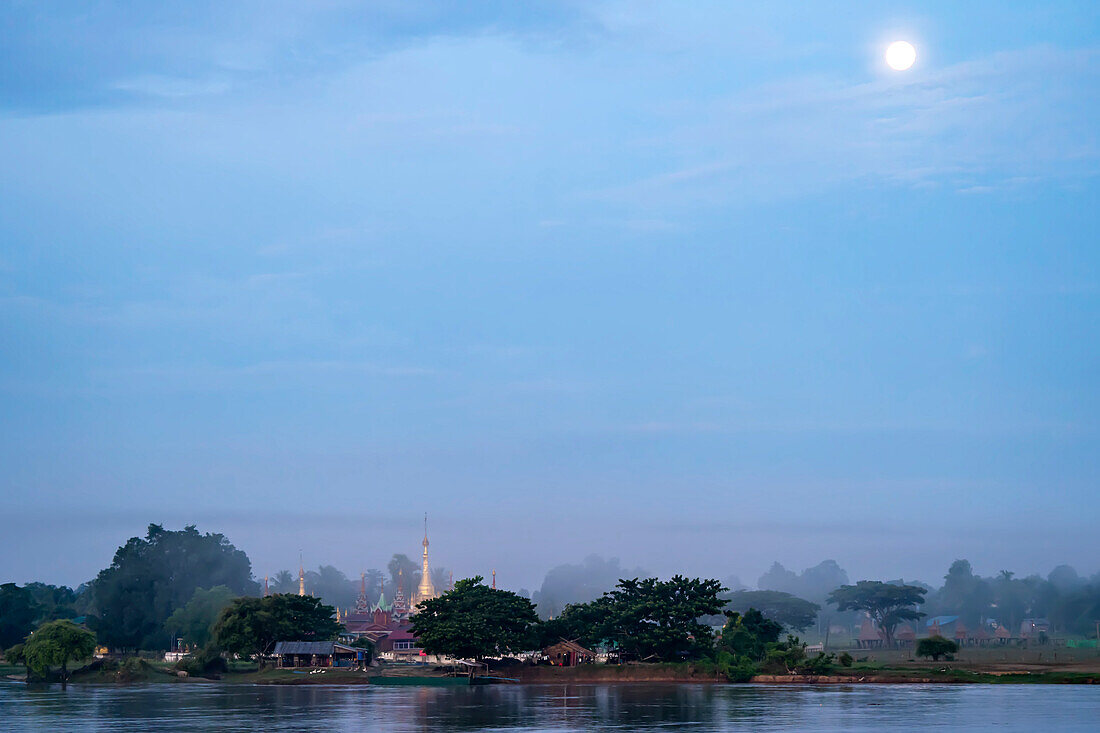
(18, 613)
(936, 647)
(584, 623)
(151, 577)
(55, 644)
(403, 572)
(195, 620)
(251, 626)
(474, 621)
(783, 608)
(655, 619)
(748, 635)
(886, 603)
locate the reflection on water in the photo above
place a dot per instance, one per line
(196, 707)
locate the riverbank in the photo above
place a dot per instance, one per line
(1075, 671)
(927, 674)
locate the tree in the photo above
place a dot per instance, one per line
(778, 578)
(368, 648)
(283, 582)
(403, 572)
(474, 621)
(887, 604)
(784, 608)
(195, 620)
(749, 634)
(651, 618)
(373, 579)
(816, 583)
(583, 623)
(56, 643)
(575, 584)
(18, 612)
(936, 647)
(790, 657)
(964, 593)
(151, 577)
(54, 601)
(331, 586)
(1065, 579)
(15, 655)
(251, 626)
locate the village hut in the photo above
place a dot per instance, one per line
(869, 635)
(568, 653)
(315, 654)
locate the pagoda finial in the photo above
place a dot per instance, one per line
(301, 575)
(426, 589)
(494, 578)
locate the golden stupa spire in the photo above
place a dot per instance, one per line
(301, 575)
(494, 578)
(426, 591)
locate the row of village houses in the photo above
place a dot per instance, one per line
(952, 627)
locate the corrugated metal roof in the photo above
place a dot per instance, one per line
(304, 647)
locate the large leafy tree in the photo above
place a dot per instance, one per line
(55, 644)
(474, 621)
(584, 623)
(886, 603)
(749, 634)
(783, 608)
(151, 577)
(251, 626)
(195, 620)
(55, 601)
(651, 618)
(964, 593)
(18, 612)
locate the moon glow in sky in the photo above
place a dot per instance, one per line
(900, 55)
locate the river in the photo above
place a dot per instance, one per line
(638, 707)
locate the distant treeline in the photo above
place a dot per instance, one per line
(165, 585)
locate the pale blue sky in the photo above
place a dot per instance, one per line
(701, 286)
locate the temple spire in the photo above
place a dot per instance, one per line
(426, 591)
(301, 575)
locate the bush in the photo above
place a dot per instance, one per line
(936, 647)
(742, 670)
(845, 659)
(207, 661)
(15, 655)
(820, 665)
(734, 667)
(790, 657)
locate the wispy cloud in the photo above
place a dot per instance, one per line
(1005, 121)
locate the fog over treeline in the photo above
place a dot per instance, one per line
(164, 570)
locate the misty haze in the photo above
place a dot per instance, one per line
(592, 346)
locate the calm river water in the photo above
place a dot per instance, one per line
(200, 707)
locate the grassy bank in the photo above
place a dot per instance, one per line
(889, 668)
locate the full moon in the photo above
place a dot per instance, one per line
(900, 55)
